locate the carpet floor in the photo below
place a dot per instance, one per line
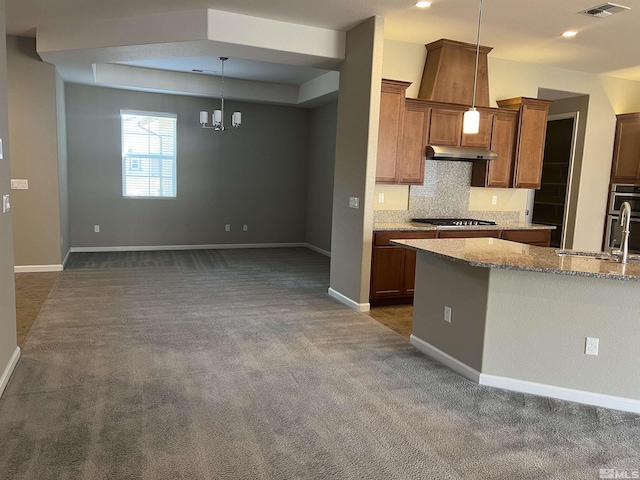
(235, 364)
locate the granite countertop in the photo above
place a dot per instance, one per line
(495, 253)
(390, 227)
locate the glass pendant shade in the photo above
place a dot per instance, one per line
(204, 118)
(471, 121)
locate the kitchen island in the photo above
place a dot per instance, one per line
(518, 317)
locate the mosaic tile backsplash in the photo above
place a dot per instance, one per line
(445, 194)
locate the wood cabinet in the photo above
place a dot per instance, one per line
(390, 130)
(414, 142)
(626, 150)
(482, 139)
(446, 126)
(393, 268)
(498, 173)
(530, 138)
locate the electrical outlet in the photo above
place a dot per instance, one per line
(354, 202)
(227, 228)
(245, 228)
(381, 198)
(591, 346)
(494, 200)
(6, 205)
(447, 314)
(96, 228)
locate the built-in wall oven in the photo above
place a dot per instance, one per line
(619, 194)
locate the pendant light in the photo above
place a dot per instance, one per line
(217, 118)
(471, 120)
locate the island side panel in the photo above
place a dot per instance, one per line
(441, 283)
(537, 324)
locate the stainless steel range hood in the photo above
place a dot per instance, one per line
(464, 154)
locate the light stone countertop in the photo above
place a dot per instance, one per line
(413, 226)
(495, 253)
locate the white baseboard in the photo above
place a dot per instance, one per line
(6, 375)
(360, 307)
(37, 268)
(66, 257)
(446, 359)
(326, 253)
(562, 393)
(219, 246)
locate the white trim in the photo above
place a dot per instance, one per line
(326, 253)
(6, 375)
(360, 307)
(37, 268)
(221, 246)
(66, 257)
(446, 359)
(562, 393)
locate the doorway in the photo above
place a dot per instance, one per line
(550, 204)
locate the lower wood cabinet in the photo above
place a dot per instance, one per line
(393, 268)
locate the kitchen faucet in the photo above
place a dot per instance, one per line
(625, 222)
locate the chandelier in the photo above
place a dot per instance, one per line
(217, 118)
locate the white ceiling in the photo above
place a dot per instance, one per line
(521, 30)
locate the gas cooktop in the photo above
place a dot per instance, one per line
(452, 222)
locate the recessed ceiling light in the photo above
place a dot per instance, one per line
(569, 33)
(423, 4)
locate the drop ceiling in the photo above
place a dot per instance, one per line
(519, 30)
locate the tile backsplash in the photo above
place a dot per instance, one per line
(445, 193)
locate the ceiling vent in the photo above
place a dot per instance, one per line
(605, 10)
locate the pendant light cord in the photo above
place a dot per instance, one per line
(223, 59)
(475, 74)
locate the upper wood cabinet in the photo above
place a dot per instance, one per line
(390, 130)
(498, 173)
(446, 126)
(532, 131)
(626, 149)
(414, 142)
(482, 139)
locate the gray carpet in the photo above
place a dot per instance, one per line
(235, 364)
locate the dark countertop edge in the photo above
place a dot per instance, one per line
(575, 273)
(425, 227)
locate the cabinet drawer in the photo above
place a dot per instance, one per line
(470, 234)
(537, 237)
(382, 238)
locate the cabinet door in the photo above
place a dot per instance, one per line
(387, 276)
(499, 172)
(414, 142)
(390, 130)
(469, 234)
(446, 127)
(532, 131)
(409, 272)
(541, 238)
(482, 139)
(626, 150)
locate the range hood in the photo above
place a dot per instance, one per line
(465, 154)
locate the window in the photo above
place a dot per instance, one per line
(148, 154)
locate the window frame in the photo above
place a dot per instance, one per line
(173, 157)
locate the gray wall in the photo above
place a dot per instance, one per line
(322, 152)
(356, 149)
(63, 174)
(256, 175)
(8, 340)
(34, 156)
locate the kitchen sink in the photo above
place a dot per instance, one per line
(597, 255)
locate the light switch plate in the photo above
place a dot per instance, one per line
(6, 206)
(354, 202)
(1, 151)
(19, 184)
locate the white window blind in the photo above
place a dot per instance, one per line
(148, 154)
